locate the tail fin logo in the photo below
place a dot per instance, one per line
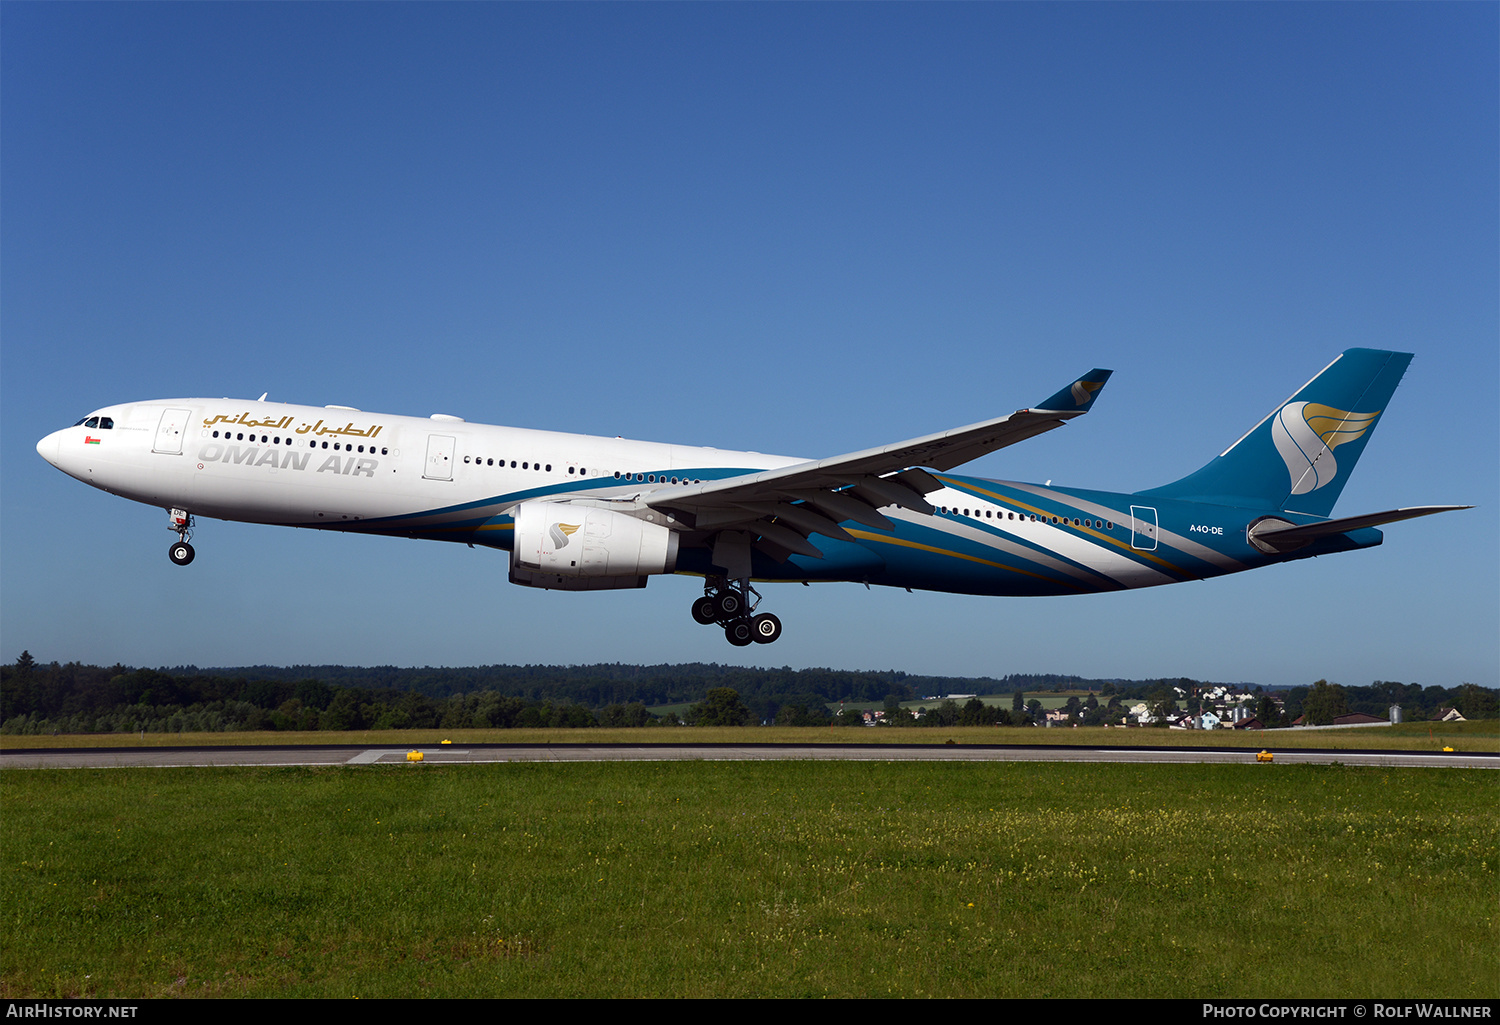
(560, 532)
(1081, 391)
(1306, 433)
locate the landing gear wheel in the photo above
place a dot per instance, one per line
(181, 553)
(704, 611)
(765, 627)
(728, 604)
(739, 633)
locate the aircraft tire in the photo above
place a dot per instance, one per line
(704, 611)
(728, 604)
(739, 633)
(181, 553)
(766, 628)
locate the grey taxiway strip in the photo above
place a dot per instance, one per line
(81, 758)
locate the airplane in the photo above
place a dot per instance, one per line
(580, 513)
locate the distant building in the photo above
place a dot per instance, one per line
(1347, 719)
(1359, 719)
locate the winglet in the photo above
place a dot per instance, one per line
(1078, 396)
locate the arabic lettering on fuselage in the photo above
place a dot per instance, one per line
(244, 419)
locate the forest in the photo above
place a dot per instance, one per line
(71, 697)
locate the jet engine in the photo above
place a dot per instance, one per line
(567, 547)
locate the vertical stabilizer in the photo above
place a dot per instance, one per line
(1298, 458)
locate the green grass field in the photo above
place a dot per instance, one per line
(751, 879)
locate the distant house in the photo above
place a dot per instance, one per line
(1251, 723)
(1450, 715)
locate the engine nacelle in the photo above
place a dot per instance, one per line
(569, 547)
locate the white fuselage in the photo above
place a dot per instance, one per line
(267, 462)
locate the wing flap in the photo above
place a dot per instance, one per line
(802, 517)
(883, 491)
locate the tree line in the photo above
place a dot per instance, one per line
(76, 698)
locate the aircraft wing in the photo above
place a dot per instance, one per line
(778, 509)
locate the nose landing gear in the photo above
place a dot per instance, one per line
(729, 605)
(181, 521)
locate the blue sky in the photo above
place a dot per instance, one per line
(802, 229)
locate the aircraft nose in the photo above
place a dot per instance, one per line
(48, 446)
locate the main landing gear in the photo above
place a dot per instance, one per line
(181, 521)
(729, 606)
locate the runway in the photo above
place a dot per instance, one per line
(475, 754)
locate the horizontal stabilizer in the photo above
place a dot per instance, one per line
(1275, 535)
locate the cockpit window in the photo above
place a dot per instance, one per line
(103, 423)
(106, 423)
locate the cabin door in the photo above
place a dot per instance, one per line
(169, 431)
(1143, 528)
(439, 464)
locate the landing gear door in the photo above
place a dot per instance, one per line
(169, 431)
(1143, 528)
(439, 464)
